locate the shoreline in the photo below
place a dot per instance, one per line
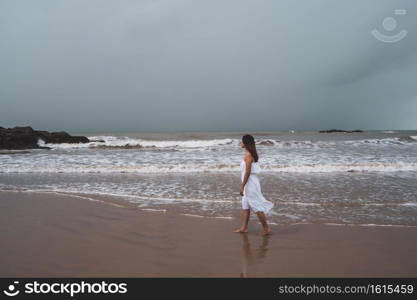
(63, 235)
(115, 200)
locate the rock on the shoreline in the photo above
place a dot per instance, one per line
(339, 130)
(27, 138)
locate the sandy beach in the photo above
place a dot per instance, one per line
(52, 235)
(133, 136)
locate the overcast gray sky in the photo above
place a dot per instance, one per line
(95, 65)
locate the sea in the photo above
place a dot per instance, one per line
(361, 179)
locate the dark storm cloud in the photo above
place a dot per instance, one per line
(206, 65)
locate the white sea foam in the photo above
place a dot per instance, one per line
(154, 210)
(131, 198)
(194, 216)
(123, 141)
(220, 217)
(326, 144)
(355, 167)
(197, 208)
(299, 203)
(108, 141)
(93, 167)
(214, 156)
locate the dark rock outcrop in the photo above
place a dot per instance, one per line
(339, 130)
(27, 138)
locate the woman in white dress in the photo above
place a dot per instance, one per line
(250, 189)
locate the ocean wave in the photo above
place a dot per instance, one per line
(132, 143)
(410, 204)
(407, 139)
(215, 168)
(402, 140)
(124, 142)
(354, 167)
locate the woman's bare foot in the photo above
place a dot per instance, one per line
(266, 232)
(241, 230)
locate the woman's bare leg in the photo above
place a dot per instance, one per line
(262, 219)
(244, 227)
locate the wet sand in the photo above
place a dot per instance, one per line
(51, 235)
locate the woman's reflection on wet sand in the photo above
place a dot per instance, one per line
(250, 258)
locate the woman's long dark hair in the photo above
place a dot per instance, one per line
(249, 143)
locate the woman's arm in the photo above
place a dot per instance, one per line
(248, 165)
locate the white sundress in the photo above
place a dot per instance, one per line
(252, 196)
